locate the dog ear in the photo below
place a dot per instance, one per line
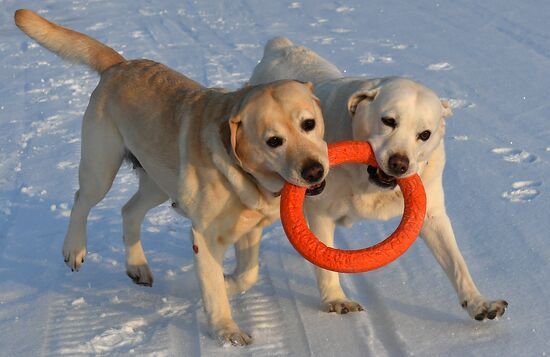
(228, 132)
(316, 100)
(359, 96)
(447, 110)
(234, 124)
(237, 115)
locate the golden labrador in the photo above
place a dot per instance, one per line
(221, 157)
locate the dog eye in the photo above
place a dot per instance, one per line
(308, 124)
(274, 141)
(387, 121)
(425, 135)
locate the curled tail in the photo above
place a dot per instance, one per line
(66, 43)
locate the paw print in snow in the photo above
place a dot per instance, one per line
(522, 191)
(514, 155)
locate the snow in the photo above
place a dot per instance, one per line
(491, 59)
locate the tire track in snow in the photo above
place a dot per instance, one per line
(77, 326)
(278, 275)
(199, 62)
(11, 162)
(378, 328)
(259, 313)
(218, 50)
(25, 129)
(69, 324)
(525, 37)
(218, 62)
(366, 333)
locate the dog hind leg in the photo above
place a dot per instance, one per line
(247, 250)
(102, 152)
(148, 196)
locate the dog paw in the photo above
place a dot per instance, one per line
(140, 274)
(233, 336)
(342, 306)
(480, 309)
(74, 255)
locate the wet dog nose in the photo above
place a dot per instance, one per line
(312, 171)
(398, 164)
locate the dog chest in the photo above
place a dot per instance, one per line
(234, 225)
(375, 205)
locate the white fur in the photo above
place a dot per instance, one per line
(353, 108)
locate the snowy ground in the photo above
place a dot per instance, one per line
(491, 58)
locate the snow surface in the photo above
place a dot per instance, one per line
(490, 58)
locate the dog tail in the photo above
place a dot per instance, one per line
(68, 44)
(277, 43)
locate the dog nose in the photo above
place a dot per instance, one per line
(312, 171)
(398, 164)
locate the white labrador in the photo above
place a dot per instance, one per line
(405, 123)
(221, 157)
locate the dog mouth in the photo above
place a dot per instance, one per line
(316, 189)
(380, 178)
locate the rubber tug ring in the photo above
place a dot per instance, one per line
(361, 260)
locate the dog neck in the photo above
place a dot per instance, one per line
(265, 191)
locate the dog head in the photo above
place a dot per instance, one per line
(403, 121)
(277, 135)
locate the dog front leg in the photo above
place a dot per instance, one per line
(209, 252)
(333, 298)
(438, 234)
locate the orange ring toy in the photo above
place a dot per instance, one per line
(361, 260)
